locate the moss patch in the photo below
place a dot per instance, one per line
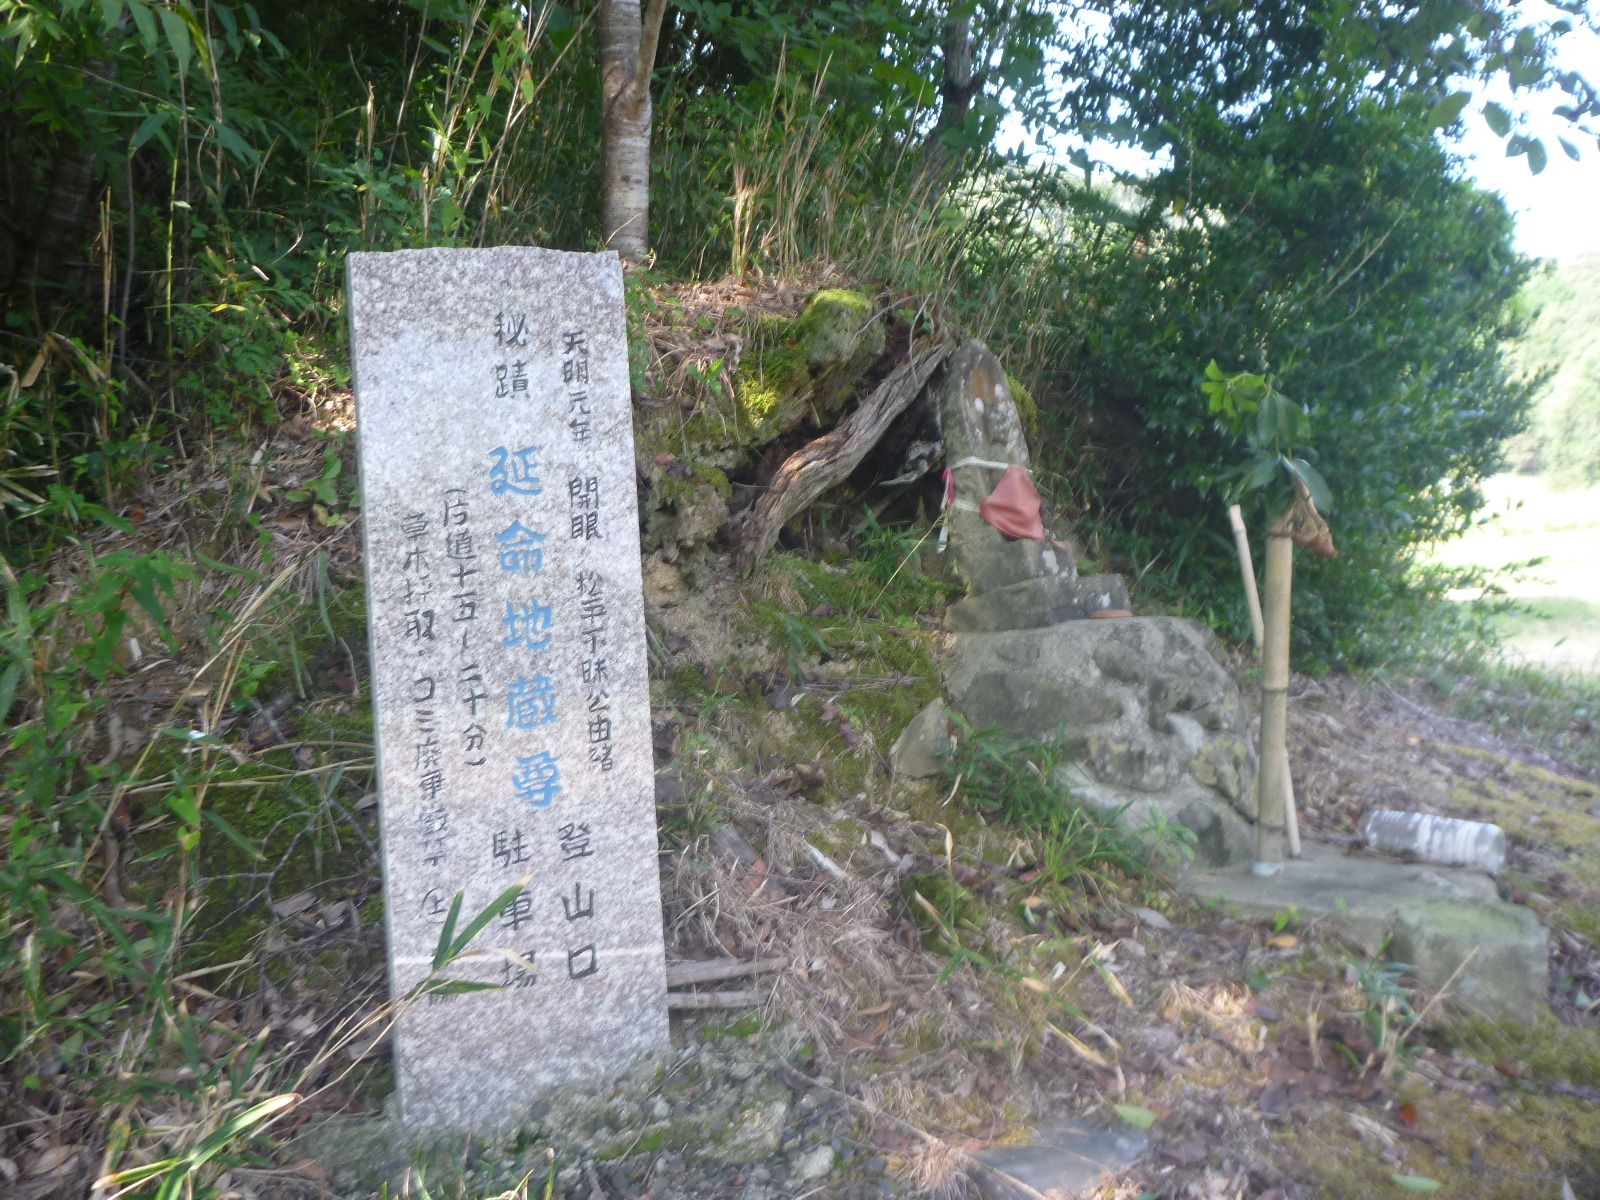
(1027, 406)
(810, 364)
(1547, 1050)
(1523, 1147)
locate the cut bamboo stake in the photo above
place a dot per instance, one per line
(1291, 814)
(1247, 567)
(1271, 817)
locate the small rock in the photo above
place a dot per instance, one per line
(813, 1164)
(923, 746)
(660, 1110)
(1150, 917)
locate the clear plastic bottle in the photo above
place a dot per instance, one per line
(1448, 841)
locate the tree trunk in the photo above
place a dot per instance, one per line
(627, 56)
(59, 225)
(957, 87)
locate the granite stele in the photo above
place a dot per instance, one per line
(508, 664)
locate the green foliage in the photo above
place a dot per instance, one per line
(947, 913)
(1271, 239)
(1279, 423)
(1015, 781)
(105, 838)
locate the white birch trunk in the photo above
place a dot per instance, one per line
(625, 41)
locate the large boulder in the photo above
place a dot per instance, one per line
(978, 420)
(1149, 717)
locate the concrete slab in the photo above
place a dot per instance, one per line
(1441, 917)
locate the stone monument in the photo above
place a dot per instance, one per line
(508, 664)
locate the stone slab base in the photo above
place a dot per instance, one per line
(1035, 603)
(1433, 918)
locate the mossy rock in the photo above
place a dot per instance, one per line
(807, 367)
(686, 504)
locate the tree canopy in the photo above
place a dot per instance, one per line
(187, 177)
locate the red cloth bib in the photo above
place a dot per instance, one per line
(1013, 506)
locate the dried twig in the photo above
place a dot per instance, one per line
(714, 999)
(683, 974)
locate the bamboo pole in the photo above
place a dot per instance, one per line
(1247, 568)
(1271, 817)
(1291, 814)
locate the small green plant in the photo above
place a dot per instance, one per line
(1015, 780)
(1388, 1014)
(1250, 409)
(322, 491)
(948, 915)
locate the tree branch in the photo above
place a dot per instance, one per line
(648, 42)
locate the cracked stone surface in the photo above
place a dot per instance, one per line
(1152, 719)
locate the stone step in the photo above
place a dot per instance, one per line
(1447, 924)
(1037, 603)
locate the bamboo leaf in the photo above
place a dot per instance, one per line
(475, 926)
(172, 1185)
(1135, 1115)
(441, 953)
(148, 128)
(1416, 1183)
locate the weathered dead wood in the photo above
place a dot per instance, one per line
(818, 465)
(714, 999)
(682, 974)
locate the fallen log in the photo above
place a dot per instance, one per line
(818, 465)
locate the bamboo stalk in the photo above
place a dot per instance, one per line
(1271, 817)
(1247, 568)
(682, 974)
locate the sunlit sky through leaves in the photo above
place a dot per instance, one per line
(1558, 210)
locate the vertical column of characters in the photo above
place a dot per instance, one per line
(526, 629)
(584, 525)
(575, 378)
(419, 632)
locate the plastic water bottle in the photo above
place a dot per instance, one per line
(1448, 841)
